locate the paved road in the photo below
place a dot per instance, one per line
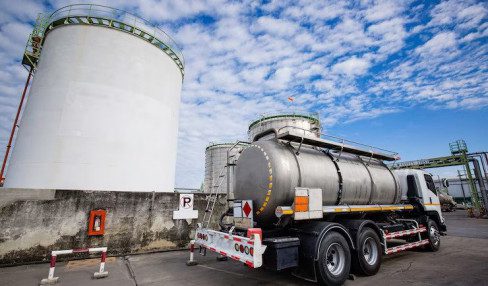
(462, 260)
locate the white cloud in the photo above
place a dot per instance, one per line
(384, 9)
(352, 66)
(276, 26)
(441, 42)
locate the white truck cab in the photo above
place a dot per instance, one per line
(418, 185)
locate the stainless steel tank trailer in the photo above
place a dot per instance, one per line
(322, 208)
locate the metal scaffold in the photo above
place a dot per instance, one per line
(459, 157)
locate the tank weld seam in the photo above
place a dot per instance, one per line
(373, 185)
(339, 174)
(270, 181)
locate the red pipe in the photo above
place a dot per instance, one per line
(9, 145)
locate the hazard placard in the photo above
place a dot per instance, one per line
(243, 214)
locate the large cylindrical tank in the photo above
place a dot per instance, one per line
(215, 162)
(102, 113)
(268, 171)
(267, 126)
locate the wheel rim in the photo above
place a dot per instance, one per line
(335, 259)
(434, 235)
(370, 251)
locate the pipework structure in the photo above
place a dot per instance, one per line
(460, 156)
(102, 111)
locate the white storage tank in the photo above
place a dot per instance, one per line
(267, 126)
(215, 162)
(102, 112)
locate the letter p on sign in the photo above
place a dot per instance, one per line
(185, 209)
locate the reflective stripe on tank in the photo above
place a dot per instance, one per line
(270, 181)
(350, 209)
(365, 208)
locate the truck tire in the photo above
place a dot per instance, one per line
(433, 235)
(334, 259)
(368, 255)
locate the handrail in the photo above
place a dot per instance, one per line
(342, 140)
(305, 115)
(119, 15)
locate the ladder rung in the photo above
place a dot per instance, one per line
(406, 246)
(404, 232)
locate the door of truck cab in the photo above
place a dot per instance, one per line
(429, 193)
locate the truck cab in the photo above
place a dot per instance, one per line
(418, 188)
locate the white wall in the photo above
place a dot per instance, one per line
(102, 114)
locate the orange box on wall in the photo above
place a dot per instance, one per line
(96, 224)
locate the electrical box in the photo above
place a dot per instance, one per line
(96, 224)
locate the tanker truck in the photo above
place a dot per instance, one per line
(322, 209)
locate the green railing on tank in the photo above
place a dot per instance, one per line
(312, 117)
(97, 15)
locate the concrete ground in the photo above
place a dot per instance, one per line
(462, 260)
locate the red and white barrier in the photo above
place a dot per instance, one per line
(248, 250)
(100, 274)
(192, 261)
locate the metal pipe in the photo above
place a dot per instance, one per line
(486, 159)
(479, 177)
(462, 186)
(12, 132)
(482, 170)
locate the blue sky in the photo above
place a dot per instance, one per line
(409, 76)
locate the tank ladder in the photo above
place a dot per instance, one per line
(224, 175)
(409, 232)
(212, 198)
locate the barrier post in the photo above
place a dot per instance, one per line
(102, 273)
(192, 261)
(50, 277)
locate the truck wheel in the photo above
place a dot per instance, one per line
(334, 259)
(368, 255)
(433, 235)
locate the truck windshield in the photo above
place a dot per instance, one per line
(430, 183)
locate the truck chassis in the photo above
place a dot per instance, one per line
(344, 238)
